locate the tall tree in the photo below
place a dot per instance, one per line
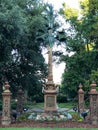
(21, 60)
(81, 33)
(22, 27)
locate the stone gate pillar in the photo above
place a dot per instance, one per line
(6, 109)
(93, 104)
(80, 99)
(20, 101)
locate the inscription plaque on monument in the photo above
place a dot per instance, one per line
(50, 101)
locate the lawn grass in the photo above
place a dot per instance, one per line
(48, 128)
(34, 105)
(67, 105)
(60, 105)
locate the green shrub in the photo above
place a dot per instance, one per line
(38, 98)
(0, 105)
(23, 117)
(76, 117)
(13, 105)
(61, 98)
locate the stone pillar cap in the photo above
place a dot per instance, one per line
(7, 86)
(93, 88)
(80, 88)
(93, 84)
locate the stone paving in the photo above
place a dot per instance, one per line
(40, 109)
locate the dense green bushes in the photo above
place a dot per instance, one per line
(0, 105)
(61, 98)
(38, 98)
(13, 105)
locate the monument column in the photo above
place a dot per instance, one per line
(6, 110)
(50, 73)
(80, 99)
(93, 104)
(50, 90)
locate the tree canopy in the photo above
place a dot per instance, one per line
(23, 28)
(82, 40)
(21, 60)
(28, 26)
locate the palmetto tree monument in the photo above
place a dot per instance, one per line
(50, 90)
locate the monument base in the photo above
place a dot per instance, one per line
(50, 103)
(6, 122)
(50, 97)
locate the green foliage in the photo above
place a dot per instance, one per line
(80, 35)
(0, 105)
(61, 98)
(50, 33)
(83, 27)
(76, 117)
(23, 25)
(69, 104)
(78, 69)
(94, 76)
(23, 117)
(13, 105)
(38, 98)
(21, 60)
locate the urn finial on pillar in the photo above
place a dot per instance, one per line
(80, 88)
(93, 87)
(6, 86)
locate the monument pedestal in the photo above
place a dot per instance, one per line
(50, 97)
(50, 102)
